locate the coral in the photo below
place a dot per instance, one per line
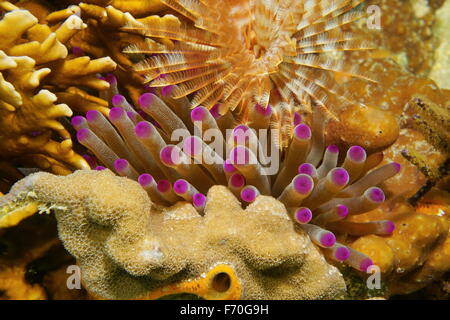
(122, 259)
(138, 8)
(33, 61)
(417, 253)
(28, 263)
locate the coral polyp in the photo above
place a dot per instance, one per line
(245, 53)
(321, 190)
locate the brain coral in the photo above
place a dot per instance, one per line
(128, 246)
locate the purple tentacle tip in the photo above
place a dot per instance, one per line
(120, 164)
(303, 184)
(240, 155)
(248, 194)
(143, 129)
(339, 176)
(397, 166)
(376, 195)
(365, 264)
(237, 180)
(333, 148)
(228, 166)
(146, 100)
(357, 154)
(118, 100)
(303, 215)
(111, 79)
(77, 121)
(145, 179)
(163, 186)
(180, 186)
(100, 168)
(390, 227)
(342, 253)
(302, 131)
(306, 168)
(342, 211)
(328, 239)
(198, 200)
(77, 51)
(83, 134)
(169, 156)
(215, 111)
(92, 115)
(198, 113)
(116, 113)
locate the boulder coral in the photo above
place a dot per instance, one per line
(128, 246)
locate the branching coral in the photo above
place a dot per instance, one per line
(128, 247)
(33, 61)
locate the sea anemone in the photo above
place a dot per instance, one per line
(243, 53)
(319, 189)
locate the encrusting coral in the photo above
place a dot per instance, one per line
(128, 247)
(34, 65)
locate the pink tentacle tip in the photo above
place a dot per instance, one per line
(143, 129)
(198, 113)
(163, 186)
(328, 239)
(297, 119)
(199, 200)
(306, 168)
(228, 166)
(342, 253)
(92, 115)
(77, 121)
(192, 145)
(303, 184)
(365, 264)
(248, 194)
(167, 90)
(180, 186)
(333, 148)
(302, 131)
(357, 154)
(145, 179)
(303, 215)
(237, 180)
(118, 100)
(397, 166)
(90, 160)
(240, 155)
(100, 168)
(390, 227)
(111, 79)
(120, 165)
(215, 111)
(342, 211)
(340, 176)
(376, 195)
(83, 134)
(116, 113)
(264, 111)
(145, 101)
(169, 156)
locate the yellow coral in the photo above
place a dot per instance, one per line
(33, 57)
(120, 258)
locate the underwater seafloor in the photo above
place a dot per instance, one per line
(207, 149)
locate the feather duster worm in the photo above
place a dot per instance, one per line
(243, 53)
(319, 190)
